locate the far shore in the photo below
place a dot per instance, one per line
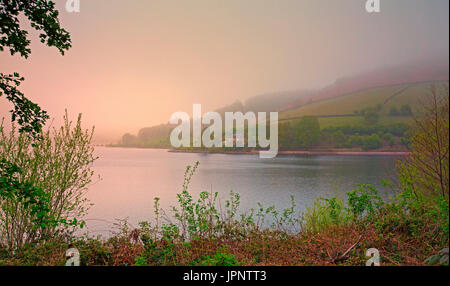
(295, 153)
(301, 153)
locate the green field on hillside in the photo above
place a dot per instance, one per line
(387, 97)
(359, 120)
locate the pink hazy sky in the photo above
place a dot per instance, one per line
(134, 63)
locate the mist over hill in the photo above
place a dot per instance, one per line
(424, 71)
(431, 70)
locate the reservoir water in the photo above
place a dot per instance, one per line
(132, 178)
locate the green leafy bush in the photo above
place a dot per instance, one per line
(372, 142)
(413, 213)
(33, 205)
(364, 201)
(324, 213)
(221, 258)
(54, 173)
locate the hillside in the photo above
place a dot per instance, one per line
(275, 101)
(346, 109)
(432, 70)
(393, 93)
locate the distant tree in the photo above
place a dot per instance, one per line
(394, 111)
(155, 132)
(405, 141)
(406, 110)
(371, 116)
(398, 129)
(389, 138)
(354, 141)
(129, 140)
(379, 107)
(372, 142)
(43, 17)
(339, 138)
(286, 135)
(307, 131)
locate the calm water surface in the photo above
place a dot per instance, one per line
(131, 178)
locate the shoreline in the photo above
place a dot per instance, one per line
(301, 153)
(292, 153)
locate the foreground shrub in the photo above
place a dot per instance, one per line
(364, 202)
(324, 213)
(426, 170)
(220, 258)
(60, 166)
(21, 197)
(416, 216)
(362, 205)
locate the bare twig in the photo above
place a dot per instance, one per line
(345, 255)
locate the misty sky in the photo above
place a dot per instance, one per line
(134, 63)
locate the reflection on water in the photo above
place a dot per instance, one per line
(131, 178)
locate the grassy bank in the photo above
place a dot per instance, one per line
(259, 249)
(406, 231)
